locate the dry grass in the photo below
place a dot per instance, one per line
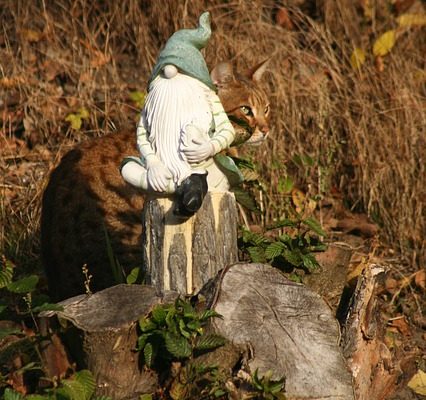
(364, 130)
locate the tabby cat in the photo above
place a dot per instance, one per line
(88, 209)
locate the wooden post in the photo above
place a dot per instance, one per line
(182, 255)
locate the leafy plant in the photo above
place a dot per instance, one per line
(294, 248)
(268, 388)
(176, 331)
(81, 386)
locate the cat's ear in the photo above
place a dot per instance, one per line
(256, 72)
(222, 73)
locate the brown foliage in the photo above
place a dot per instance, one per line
(365, 130)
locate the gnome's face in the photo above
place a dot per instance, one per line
(174, 102)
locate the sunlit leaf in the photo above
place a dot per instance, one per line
(357, 58)
(209, 342)
(133, 276)
(138, 98)
(83, 113)
(178, 346)
(10, 394)
(148, 354)
(314, 225)
(285, 185)
(418, 383)
(85, 377)
(384, 43)
(74, 120)
(6, 275)
(412, 20)
(274, 250)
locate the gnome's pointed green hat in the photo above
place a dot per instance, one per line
(183, 51)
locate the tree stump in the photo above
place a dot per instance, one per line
(106, 321)
(378, 371)
(182, 255)
(287, 328)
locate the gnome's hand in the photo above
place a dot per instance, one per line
(198, 150)
(158, 175)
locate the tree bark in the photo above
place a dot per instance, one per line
(377, 371)
(106, 322)
(182, 255)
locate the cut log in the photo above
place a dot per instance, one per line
(182, 255)
(106, 322)
(377, 372)
(288, 328)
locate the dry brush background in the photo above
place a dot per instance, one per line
(363, 129)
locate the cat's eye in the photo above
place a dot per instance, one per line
(266, 109)
(247, 110)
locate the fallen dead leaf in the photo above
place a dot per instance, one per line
(283, 19)
(401, 325)
(418, 383)
(31, 35)
(391, 285)
(420, 279)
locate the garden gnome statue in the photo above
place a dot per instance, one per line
(182, 127)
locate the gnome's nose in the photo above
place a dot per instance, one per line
(170, 71)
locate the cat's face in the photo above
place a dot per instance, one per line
(246, 104)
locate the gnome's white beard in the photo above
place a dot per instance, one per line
(171, 105)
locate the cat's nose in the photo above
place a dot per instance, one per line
(265, 130)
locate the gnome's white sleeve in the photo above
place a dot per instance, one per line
(224, 132)
(144, 146)
(158, 176)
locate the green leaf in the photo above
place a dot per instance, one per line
(133, 276)
(282, 223)
(228, 167)
(138, 98)
(4, 332)
(159, 314)
(148, 354)
(293, 257)
(246, 199)
(384, 43)
(10, 394)
(207, 314)
(72, 389)
(256, 254)
(147, 324)
(254, 238)
(274, 250)
(147, 396)
(285, 185)
(6, 275)
(314, 225)
(177, 346)
(183, 329)
(209, 342)
(310, 262)
(3, 306)
(86, 379)
(24, 285)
